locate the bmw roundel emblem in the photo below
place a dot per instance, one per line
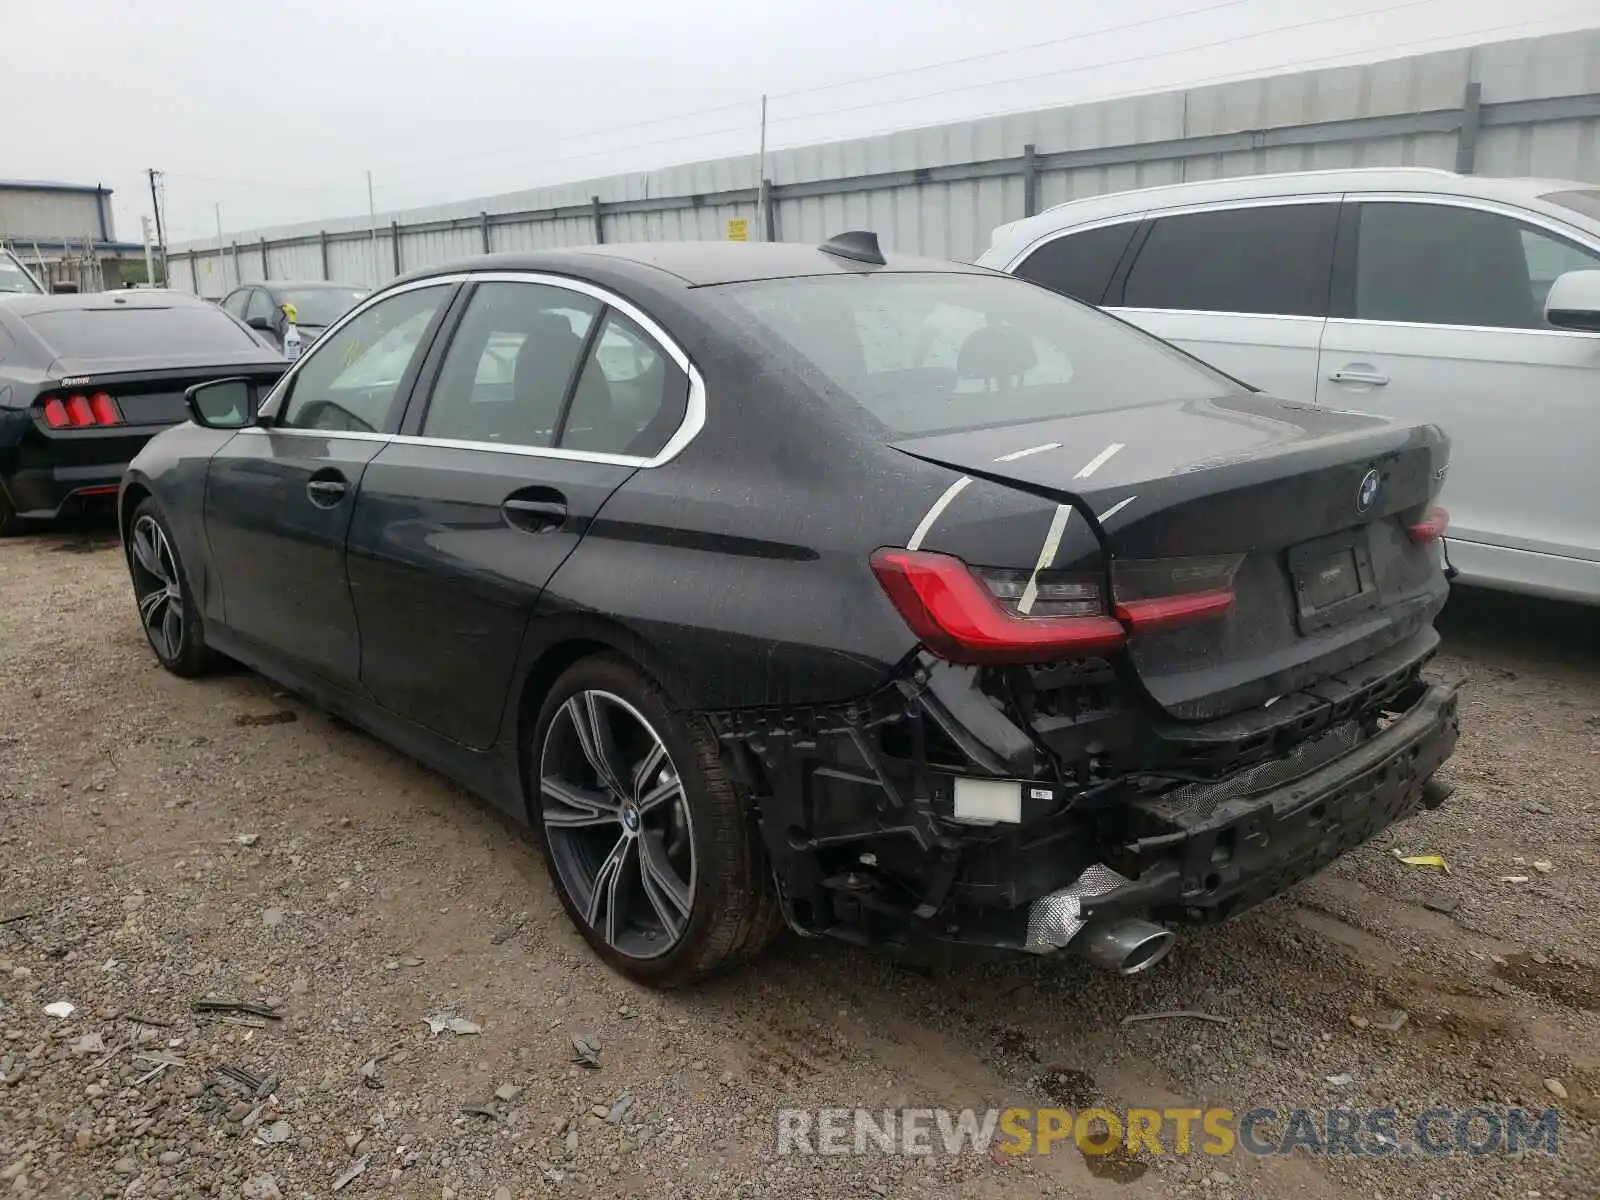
(1367, 493)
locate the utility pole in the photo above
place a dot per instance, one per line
(761, 175)
(161, 237)
(222, 252)
(149, 256)
(372, 224)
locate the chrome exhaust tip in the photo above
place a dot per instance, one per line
(1126, 945)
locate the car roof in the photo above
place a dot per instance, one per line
(1522, 192)
(698, 264)
(27, 306)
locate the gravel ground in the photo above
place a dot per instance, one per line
(163, 841)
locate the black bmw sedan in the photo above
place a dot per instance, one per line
(888, 599)
(86, 380)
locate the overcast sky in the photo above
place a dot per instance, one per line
(275, 109)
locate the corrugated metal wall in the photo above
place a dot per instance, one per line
(54, 214)
(939, 191)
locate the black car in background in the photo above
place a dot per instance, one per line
(86, 380)
(317, 305)
(897, 600)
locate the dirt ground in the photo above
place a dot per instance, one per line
(163, 841)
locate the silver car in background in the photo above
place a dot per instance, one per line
(1467, 302)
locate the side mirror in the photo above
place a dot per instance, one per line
(259, 322)
(224, 404)
(1574, 302)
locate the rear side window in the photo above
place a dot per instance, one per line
(1272, 259)
(1442, 264)
(1079, 265)
(127, 331)
(630, 398)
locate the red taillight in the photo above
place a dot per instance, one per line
(958, 618)
(81, 412)
(1169, 612)
(104, 409)
(1432, 526)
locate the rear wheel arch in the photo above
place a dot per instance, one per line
(571, 640)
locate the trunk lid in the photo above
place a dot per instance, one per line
(1308, 505)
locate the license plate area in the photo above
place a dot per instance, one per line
(1333, 579)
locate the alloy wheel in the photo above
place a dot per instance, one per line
(617, 823)
(156, 587)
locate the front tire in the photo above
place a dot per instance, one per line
(167, 612)
(653, 848)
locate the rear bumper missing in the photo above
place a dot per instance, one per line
(1236, 853)
(857, 813)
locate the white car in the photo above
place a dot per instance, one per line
(1470, 303)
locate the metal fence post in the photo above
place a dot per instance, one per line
(1467, 135)
(265, 273)
(484, 218)
(322, 243)
(394, 241)
(769, 221)
(1030, 181)
(599, 220)
(194, 274)
(238, 274)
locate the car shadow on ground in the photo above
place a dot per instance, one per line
(1477, 623)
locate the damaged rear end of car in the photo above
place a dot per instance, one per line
(1172, 659)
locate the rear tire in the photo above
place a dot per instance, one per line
(167, 612)
(653, 848)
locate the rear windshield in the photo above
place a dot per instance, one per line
(1579, 200)
(14, 279)
(927, 353)
(322, 306)
(117, 332)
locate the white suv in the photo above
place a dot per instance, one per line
(1468, 302)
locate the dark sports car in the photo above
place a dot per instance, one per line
(86, 380)
(895, 600)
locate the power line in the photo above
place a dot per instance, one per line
(1074, 70)
(872, 78)
(1298, 64)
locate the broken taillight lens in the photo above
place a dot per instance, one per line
(1432, 526)
(1151, 595)
(960, 615)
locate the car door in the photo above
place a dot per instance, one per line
(279, 495)
(260, 308)
(547, 397)
(1439, 317)
(1244, 287)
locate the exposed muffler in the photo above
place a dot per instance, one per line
(1124, 944)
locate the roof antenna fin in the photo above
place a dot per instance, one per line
(858, 245)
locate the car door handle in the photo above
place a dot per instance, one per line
(539, 510)
(1371, 378)
(327, 492)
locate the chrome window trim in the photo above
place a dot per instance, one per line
(694, 414)
(1214, 312)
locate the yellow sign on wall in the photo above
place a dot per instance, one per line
(738, 230)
